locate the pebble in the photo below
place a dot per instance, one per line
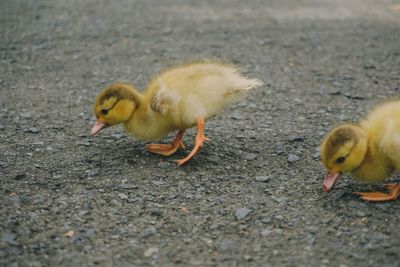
(83, 143)
(316, 155)
(20, 176)
(83, 213)
(149, 231)
(226, 245)
(94, 172)
(263, 178)
(241, 213)
(360, 213)
(122, 196)
(25, 115)
(163, 164)
(355, 97)
(8, 237)
(249, 156)
(266, 220)
(280, 150)
(32, 130)
(17, 120)
(266, 232)
(213, 227)
(293, 158)
(157, 212)
(247, 257)
(1, 127)
(296, 139)
(117, 136)
(90, 232)
(3, 164)
(150, 251)
(128, 186)
(116, 203)
(335, 92)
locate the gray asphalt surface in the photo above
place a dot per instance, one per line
(252, 196)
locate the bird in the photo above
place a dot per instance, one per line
(180, 97)
(368, 150)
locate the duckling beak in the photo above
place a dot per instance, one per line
(330, 180)
(97, 127)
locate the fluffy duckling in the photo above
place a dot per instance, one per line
(370, 151)
(175, 100)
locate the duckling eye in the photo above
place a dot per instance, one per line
(340, 160)
(104, 111)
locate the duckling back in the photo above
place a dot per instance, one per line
(383, 128)
(199, 89)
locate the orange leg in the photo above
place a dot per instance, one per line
(199, 141)
(394, 193)
(167, 149)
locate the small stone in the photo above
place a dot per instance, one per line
(8, 237)
(128, 186)
(117, 135)
(226, 245)
(167, 31)
(83, 143)
(25, 115)
(151, 230)
(83, 213)
(213, 227)
(33, 130)
(263, 178)
(266, 232)
(336, 92)
(241, 213)
(122, 196)
(360, 213)
(1, 127)
(163, 164)
(369, 67)
(90, 232)
(247, 257)
(266, 220)
(293, 158)
(94, 172)
(316, 155)
(20, 176)
(17, 120)
(70, 233)
(116, 203)
(355, 97)
(157, 212)
(3, 164)
(296, 139)
(280, 150)
(249, 156)
(150, 251)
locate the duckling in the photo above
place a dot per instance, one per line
(178, 98)
(370, 151)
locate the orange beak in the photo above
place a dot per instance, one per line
(330, 180)
(97, 127)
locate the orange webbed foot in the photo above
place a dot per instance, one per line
(167, 149)
(393, 194)
(199, 141)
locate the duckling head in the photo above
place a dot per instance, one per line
(114, 105)
(342, 151)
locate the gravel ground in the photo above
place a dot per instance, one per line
(252, 196)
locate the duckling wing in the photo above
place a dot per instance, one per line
(390, 142)
(164, 99)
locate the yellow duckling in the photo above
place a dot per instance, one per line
(175, 100)
(370, 151)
